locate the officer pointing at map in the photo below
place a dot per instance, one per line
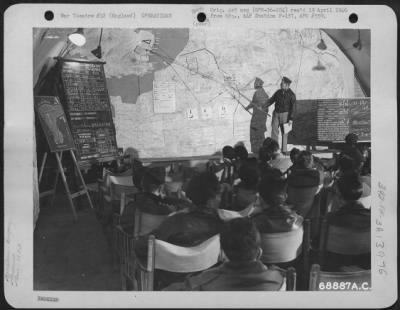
(258, 126)
(284, 100)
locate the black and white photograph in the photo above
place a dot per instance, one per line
(192, 156)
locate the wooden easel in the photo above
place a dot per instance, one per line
(60, 170)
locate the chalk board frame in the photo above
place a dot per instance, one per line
(310, 138)
(62, 88)
(66, 132)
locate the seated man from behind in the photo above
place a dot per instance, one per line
(303, 183)
(245, 192)
(225, 170)
(276, 216)
(264, 156)
(352, 151)
(353, 216)
(352, 213)
(201, 222)
(240, 242)
(188, 229)
(294, 153)
(151, 199)
(241, 155)
(335, 200)
(278, 160)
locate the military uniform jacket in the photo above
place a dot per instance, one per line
(284, 101)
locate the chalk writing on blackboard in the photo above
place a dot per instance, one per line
(338, 117)
(89, 110)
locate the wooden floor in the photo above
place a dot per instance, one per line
(72, 255)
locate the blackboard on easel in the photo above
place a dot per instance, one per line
(88, 108)
(54, 123)
(59, 138)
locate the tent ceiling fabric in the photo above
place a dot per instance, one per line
(361, 59)
(344, 39)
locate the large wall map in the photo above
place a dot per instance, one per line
(203, 78)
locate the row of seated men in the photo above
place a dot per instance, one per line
(278, 190)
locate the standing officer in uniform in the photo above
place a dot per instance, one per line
(284, 100)
(258, 126)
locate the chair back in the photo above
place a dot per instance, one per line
(291, 278)
(146, 222)
(165, 256)
(302, 198)
(341, 240)
(104, 183)
(121, 184)
(345, 280)
(120, 187)
(175, 258)
(281, 247)
(127, 260)
(227, 215)
(346, 241)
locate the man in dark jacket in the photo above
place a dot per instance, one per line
(284, 100)
(303, 184)
(240, 242)
(351, 151)
(258, 125)
(276, 216)
(352, 216)
(201, 222)
(191, 227)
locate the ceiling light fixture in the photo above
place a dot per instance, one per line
(97, 51)
(321, 45)
(77, 37)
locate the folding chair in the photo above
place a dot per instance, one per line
(111, 185)
(274, 252)
(146, 222)
(339, 281)
(103, 192)
(125, 251)
(165, 256)
(291, 277)
(343, 241)
(296, 249)
(121, 192)
(227, 215)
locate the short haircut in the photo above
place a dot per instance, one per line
(350, 186)
(153, 178)
(264, 154)
(273, 148)
(240, 240)
(228, 152)
(305, 160)
(249, 174)
(241, 152)
(294, 153)
(351, 139)
(272, 188)
(267, 141)
(202, 187)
